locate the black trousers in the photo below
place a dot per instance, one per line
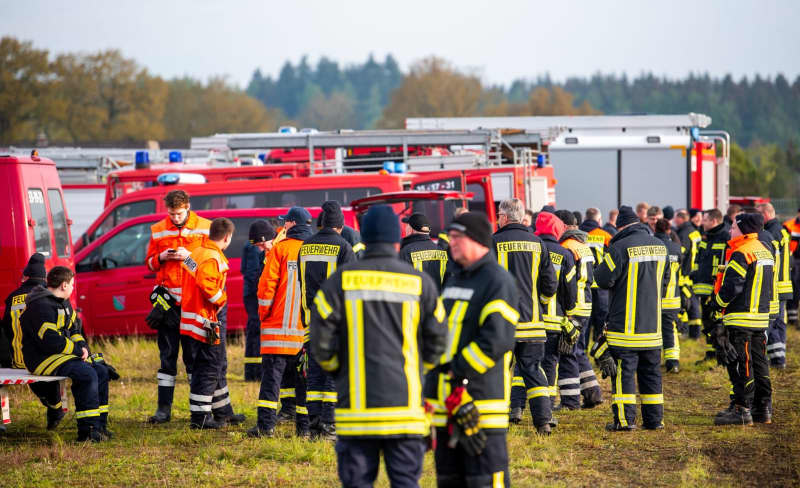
(535, 389)
(49, 393)
(90, 391)
(589, 386)
(320, 394)
(550, 363)
(358, 460)
(750, 374)
(669, 334)
(252, 340)
(273, 368)
(456, 469)
(208, 392)
(599, 316)
(695, 317)
(776, 337)
(170, 342)
(642, 366)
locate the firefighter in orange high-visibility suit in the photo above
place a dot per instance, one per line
(204, 298)
(172, 240)
(280, 309)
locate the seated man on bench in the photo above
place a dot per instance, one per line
(48, 393)
(52, 345)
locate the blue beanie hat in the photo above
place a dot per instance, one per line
(380, 224)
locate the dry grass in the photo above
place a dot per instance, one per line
(688, 452)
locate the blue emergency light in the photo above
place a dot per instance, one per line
(142, 159)
(175, 157)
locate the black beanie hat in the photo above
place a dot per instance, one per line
(474, 225)
(750, 223)
(693, 212)
(333, 216)
(566, 216)
(549, 208)
(261, 231)
(380, 224)
(626, 216)
(669, 212)
(35, 267)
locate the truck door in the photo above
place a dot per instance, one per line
(483, 201)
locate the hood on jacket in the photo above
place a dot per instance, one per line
(547, 223)
(588, 225)
(299, 231)
(576, 234)
(38, 293)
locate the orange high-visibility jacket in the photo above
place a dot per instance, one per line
(793, 226)
(279, 299)
(165, 235)
(205, 272)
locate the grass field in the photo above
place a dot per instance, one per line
(688, 452)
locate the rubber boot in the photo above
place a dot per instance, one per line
(515, 417)
(54, 417)
(738, 416)
(162, 415)
(104, 426)
(204, 422)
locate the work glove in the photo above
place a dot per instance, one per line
(212, 332)
(464, 422)
(302, 362)
(570, 332)
(686, 298)
(430, 439)
(98, 358)
(602, 357)
(164, 313)
(681, 324)
(725, 350)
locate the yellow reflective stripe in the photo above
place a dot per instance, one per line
(454, 322)
(702, 288)
(410, 323)
(720, 302)
(50, 364)
(652, 399)
(95, 412)
(268, 404)
(609, 262)
(439, 312)
(355, 347)
(499, 306)
(755, 293)
(617, 398)
(77, 338)
(287, 393)
(630, 301)
(498, 479)
(738, 268)
(537, 391)
(45, 326)
(323, 307)
(358, 248)
(571, 274)
(252, 360)
(301, 410)
(419, 427)
(624, 398)
(69, 346)
(103, 409)
(479, 361)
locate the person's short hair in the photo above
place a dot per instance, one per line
(176, 199)
(714, 214)
(58, 276)
(653, 211)
(513, 208)
(530, 213)
(578, 217)
(662, 226)
(682, 213)
(460, 211)
(593, 213)
(642, 206)
(566, 216)
(612, 214)
(733, 209)
(766, 208)
(220, 228)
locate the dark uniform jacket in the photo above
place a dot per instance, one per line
(51, 333)
(482, 321)
(711, 254)
(252, 267)
(353, 237)
(575, 242)
(320, 256)
(690, 241)
(784, 262)
(11, 326)
(376, 324)
(671, 302)
(556, 310)
(747, 284)
(634, 269)
(610, 229)
(423, 254)
(523, 254)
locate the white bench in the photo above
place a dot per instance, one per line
(23, 377)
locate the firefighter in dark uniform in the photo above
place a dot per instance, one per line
(743, 297)
(320, 256)
(634, 269)
(556, 317)
(776, 340)
(52, 345)
(597, 240)
(48, 392)
(376, 325)
(419, 250)
(793, 229)
(671, 302)
(469, 388)
(260, 237)
(524, 256)
(710, 256)
(690, 238)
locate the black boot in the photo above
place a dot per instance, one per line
(230, 419)
(90, 434)
(592, 399)
(54, 416)
(672, 366)
(162, 415)
(762, 414)
(727, 410)
(543, 429)
(204, 422)
(258, 431)
(738, 416)
(515, 416)
(104, 426)
(617, 427)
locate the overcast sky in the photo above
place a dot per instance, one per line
(501, 40)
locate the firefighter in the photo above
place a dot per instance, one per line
(597, 240)
(320, 256)
(52, 345)
(420, 251)
(711, 254)
(556, 316)
(279, 305)
(611, 225)
(204, 296)
(468, 388)
(634, 269)
(671, 302)
(793, 228)
(776, 342)
(690, 239)
(523, 254)
(742, 297)
(260, 237)
(574, 240)
(48, 392)
(376, 325)
(171, 241)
